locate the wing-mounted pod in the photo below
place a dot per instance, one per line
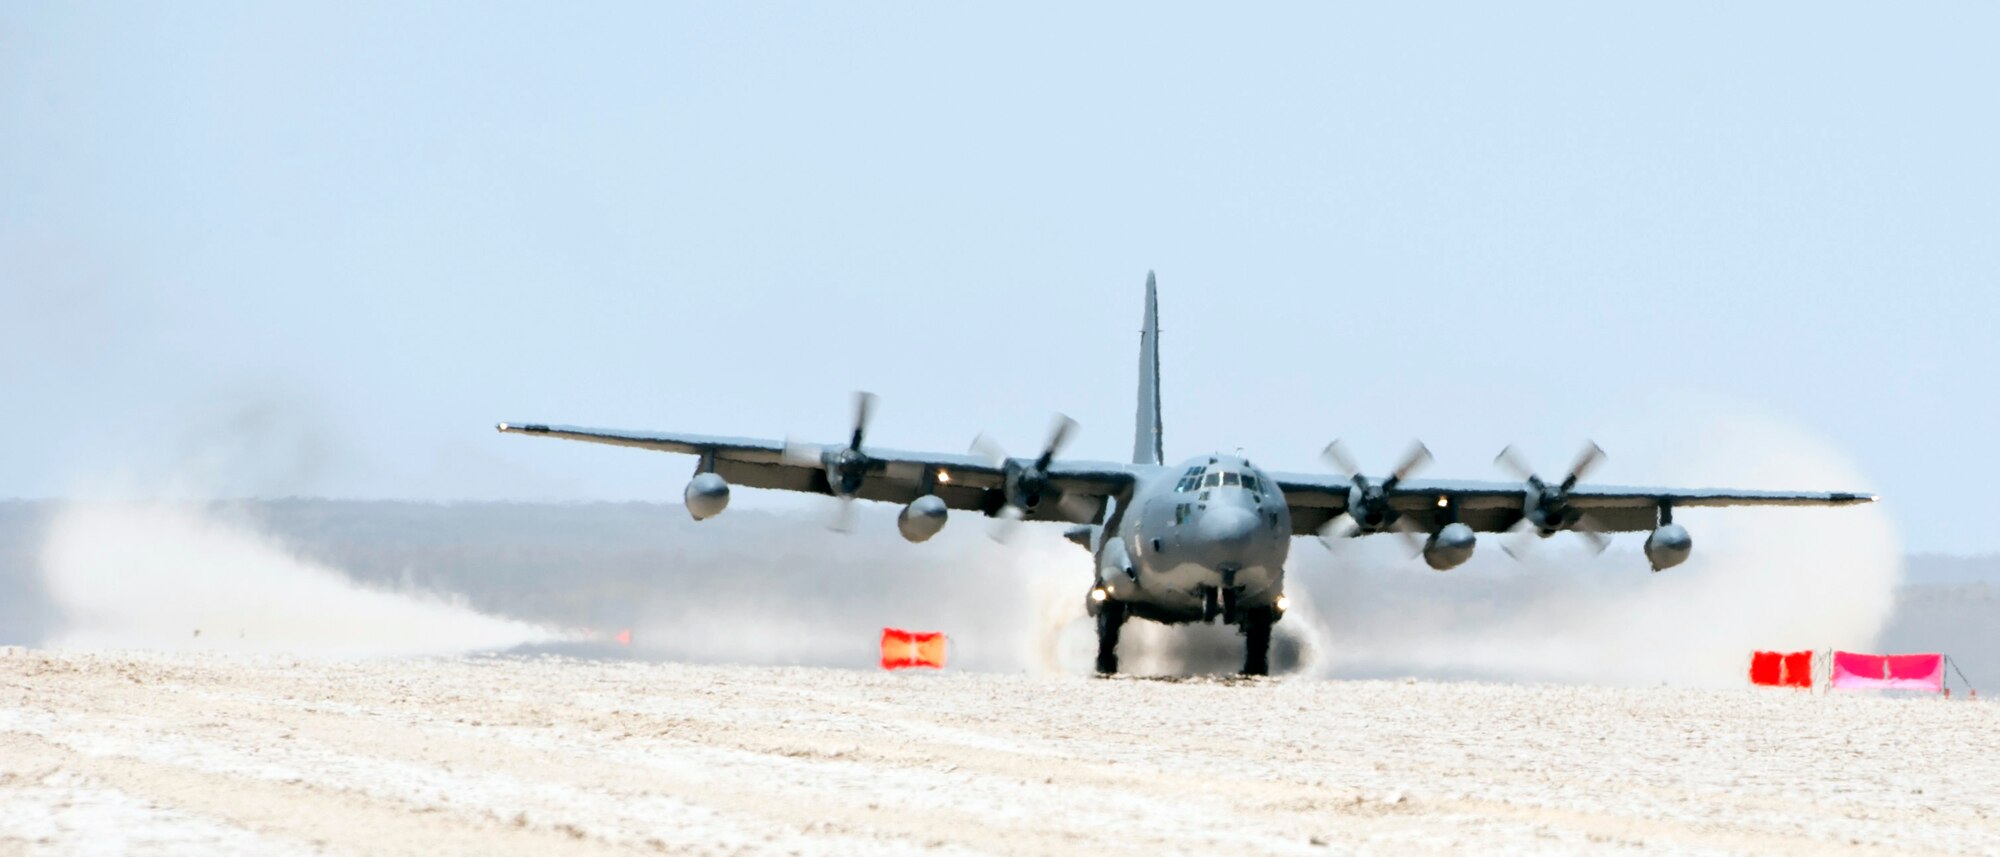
(1451, 546)
(707, 493)
(922, 518)
(1669, 544)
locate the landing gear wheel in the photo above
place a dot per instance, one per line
(1110, 617)
(1257, 640)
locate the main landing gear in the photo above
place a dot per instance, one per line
(1256, 627)
(1110, 617)
(1255, 624)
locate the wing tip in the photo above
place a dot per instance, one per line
(521, 427)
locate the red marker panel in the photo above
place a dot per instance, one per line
(904, 649)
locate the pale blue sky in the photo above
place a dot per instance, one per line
(320, 249)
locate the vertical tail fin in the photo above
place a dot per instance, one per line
(1146, 448)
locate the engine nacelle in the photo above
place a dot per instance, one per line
(1668, 546)
(1450, 547)
(923, 518)
(707, 495)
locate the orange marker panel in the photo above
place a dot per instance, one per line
(903, 649)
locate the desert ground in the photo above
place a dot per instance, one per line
(240, 754)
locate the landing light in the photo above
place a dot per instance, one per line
(944, 478)
(1443, 501)
(1098, 595)
(1283, 602)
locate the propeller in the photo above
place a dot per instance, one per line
(1026, 483)
(1587, 527)
(1368, 509)
(845, 466)
(1545, 508)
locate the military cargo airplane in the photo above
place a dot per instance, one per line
(1202, 541)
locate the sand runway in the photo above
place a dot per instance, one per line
(206, 754)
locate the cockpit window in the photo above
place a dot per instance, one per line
(1189, 480)
(1213, 476)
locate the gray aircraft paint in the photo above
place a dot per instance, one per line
(1166, 550)
(1147, 445)
(1180, 541)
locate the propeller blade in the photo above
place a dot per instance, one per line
(1512, 462)
(1598, 541)
(842, 520)
(1519, 541)
(1414, 460)
(1337, 457)
(864, 408)
(800, 454)
(1338, 530)
(1058, 438)
(988, 449)
(1412, 535)
(1006, 522)
(1586, 461)
(1592, 532)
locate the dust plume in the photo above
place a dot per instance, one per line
(1759, 578)
(169, 577)
(759, 587)
(1772, 578)
(130, 570)
(765, 588)
(1299, 645)
(775, 587)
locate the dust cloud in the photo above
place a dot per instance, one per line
(130, 568)
(1764, 578)
(165, 576)
(765, 588)
(756, 586)
(778, 589)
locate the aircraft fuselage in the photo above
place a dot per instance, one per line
(1204, 542)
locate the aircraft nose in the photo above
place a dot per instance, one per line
(1228, 526)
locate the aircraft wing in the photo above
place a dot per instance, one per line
(1497, 506)
(962, 481)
